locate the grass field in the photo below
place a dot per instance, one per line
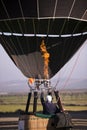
(71, 101)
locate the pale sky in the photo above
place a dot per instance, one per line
(8, 70)
(75, 68)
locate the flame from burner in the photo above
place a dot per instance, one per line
(31, 81)
(46, 56)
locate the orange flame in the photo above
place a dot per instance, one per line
(31, 81)
(46, 56)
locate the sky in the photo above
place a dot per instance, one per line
(8, 70)
(76, 68)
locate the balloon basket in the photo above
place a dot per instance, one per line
(35, 122)
(32, 122)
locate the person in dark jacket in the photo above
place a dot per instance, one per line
(48, 106)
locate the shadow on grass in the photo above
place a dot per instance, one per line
(12, 114)
(74, 114)
(78, 114)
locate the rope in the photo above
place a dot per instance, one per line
(72, 41)
(20, 59)
(26, 59)
(21, 9)
(55, 9)
(5, 8)
(77, 56)
(36, 56)
(64, 42)
(84, 14)
(76, 61)
(71, 8)
(38, 8)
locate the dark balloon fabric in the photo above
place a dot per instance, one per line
(57, 26)
(25, 52)
(24, 23)
(10, 9)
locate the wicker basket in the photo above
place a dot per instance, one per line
(37, 122)
(32, 122)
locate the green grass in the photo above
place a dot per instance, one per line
(70, 101)
(11, 108)
(75, 108)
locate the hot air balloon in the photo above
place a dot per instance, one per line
(61, 25)
(24, 24)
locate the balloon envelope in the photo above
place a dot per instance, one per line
(23, 25)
